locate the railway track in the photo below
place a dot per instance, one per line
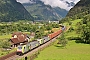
(14, 57)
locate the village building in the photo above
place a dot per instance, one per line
(17, 38)
(54, 22)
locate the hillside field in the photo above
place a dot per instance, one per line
(73, 50)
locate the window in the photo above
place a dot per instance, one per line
(19, 47)
(15, 36)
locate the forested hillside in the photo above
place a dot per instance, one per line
(80, 11)
(10, 10)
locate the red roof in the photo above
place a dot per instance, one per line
(16, 33)
(18, 37)
(15, 40)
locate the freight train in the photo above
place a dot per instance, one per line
(21, 49)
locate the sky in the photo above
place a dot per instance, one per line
(54, 3)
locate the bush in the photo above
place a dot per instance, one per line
(5, 44)
(74, 38)
(62, 40)
(71, 29)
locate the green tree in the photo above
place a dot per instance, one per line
(5, 44)
(48, 27)
(85, 35)
(84, 30)
(34, 28)
(79, 28)
(62, 40)
(54, 25)
(39, 33)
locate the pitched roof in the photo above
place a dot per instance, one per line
(15, 40)
(16, 33)
(18, 37)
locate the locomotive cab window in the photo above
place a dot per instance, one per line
(20, 47)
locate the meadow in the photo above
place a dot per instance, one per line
(72, 51)
(7, 37)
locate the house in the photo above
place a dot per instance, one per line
(17, 38)
(54, 22)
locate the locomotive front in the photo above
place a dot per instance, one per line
(19, 50)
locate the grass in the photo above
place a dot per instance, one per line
(74, 23)
(5, 52)
(27, 33)
(71, 34)
(8, 36)
(56, 29)
(5, 36)
(73, 51)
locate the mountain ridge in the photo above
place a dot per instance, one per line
(80, 9)
(40, 11)
(11, 10)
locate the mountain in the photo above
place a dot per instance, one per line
(40, 11)
(11, 10)
(70, 3)
(80, 9)
(60, 12)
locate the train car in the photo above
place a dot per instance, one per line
(52, 35)
(34, 44)
(41, 41)
(46, 39)
(21, 49)
(63, 28)
(60, 31)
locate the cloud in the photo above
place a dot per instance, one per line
(75, 1)
(54, 3)
(60, 3)
(23, 1)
